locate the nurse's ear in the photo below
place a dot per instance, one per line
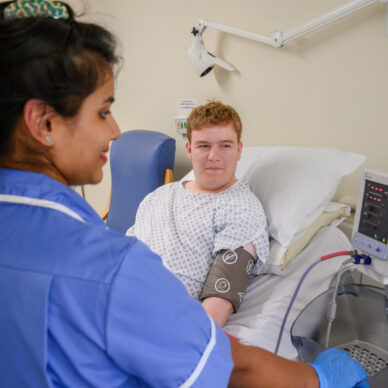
(37, 117)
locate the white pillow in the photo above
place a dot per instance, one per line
(295, 184)
(280, 256)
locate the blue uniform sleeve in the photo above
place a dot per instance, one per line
(160, 335)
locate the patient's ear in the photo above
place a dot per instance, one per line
(188, 150)
(240, 147)
(36, 116)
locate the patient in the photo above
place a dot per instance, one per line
(211, 231)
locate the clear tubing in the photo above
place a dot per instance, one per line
(323, 258)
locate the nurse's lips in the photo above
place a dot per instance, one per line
(103, 156)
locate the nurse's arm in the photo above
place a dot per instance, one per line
(256, 367)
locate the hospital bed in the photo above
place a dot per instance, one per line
(295, 186)
(258, 320)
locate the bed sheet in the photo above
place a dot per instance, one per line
(260, 315)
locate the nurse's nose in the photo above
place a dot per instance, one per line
(114, 128)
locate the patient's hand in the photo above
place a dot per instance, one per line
(251, 249)
(218, 308)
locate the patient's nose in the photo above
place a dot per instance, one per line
(213, 154)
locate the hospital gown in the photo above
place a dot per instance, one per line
(188, 229)
(83, 306)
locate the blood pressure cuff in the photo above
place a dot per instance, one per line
(229, 275)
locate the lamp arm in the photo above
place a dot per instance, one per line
(327, 18)
(279, 38)
(202, 24)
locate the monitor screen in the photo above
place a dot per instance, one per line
(374, 212)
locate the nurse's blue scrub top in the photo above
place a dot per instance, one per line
(83, 306)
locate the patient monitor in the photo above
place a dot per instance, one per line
(359, 322)
(370, 229)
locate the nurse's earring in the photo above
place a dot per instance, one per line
(48, 139)
(40, 124)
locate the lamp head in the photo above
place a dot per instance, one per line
(203, 61)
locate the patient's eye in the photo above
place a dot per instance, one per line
(226, 146)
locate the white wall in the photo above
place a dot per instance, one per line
(325, 89)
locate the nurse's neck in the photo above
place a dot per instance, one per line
(27, 155)
(36, 166)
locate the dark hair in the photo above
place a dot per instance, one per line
(60, 62)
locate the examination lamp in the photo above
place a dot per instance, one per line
(203, 61)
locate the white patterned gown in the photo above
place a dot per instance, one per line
(188, 229)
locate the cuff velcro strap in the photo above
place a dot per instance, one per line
(228, 276)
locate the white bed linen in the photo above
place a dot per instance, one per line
(259, 317)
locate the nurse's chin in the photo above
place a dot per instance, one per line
(96, 178)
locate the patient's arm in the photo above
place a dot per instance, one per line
(219, 308)
(251, 249)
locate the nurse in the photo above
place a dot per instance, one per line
(82, 306)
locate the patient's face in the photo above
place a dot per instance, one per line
(214, 152)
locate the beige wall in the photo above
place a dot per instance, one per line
(325, 89)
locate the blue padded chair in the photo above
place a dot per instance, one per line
(140, 162)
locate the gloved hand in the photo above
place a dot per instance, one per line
(335, 369)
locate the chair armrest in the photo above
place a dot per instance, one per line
(168, 176)
(104, 213)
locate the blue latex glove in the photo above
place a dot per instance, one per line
(335, 369)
